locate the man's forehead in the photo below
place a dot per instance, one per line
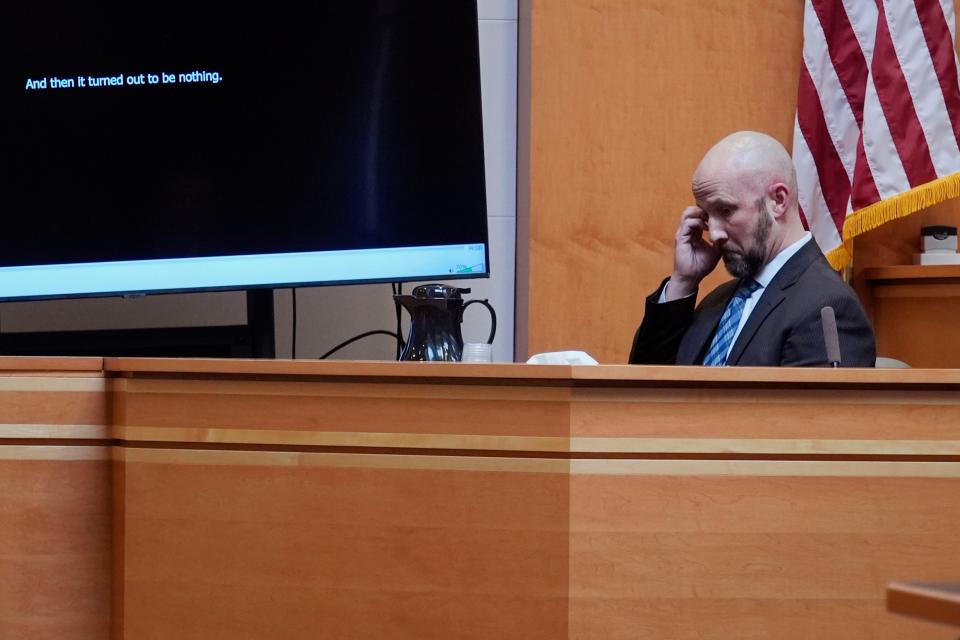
(709, 188)
(721, 180)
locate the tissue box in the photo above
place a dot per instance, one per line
(939, 239)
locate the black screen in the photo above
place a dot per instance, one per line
(156, 130)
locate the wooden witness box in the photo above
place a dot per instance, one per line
(205, 499)
(915, 310)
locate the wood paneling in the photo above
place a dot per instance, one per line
(752, 557)
(912, 308)
(54, 549)
(257, 500)
(356, 409)
(304, 551)
(341, 542)
(625, 99)
(766, 416)
(896, 242)
(55, 511)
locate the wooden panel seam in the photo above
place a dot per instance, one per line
(540, 443)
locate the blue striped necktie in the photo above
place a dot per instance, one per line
(723, 338)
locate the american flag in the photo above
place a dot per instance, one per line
(877, 132)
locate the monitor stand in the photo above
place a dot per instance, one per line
(260, 323)
(255, 339)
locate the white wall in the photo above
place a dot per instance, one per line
(329, 315)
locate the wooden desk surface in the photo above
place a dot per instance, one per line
(931, 601)
(912, 272)
(554, 375)
(13, 364)
(233, 498)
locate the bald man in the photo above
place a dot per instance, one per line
(746, 213)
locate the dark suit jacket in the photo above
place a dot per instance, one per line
(784, 328)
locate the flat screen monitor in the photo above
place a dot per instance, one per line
(213, 145)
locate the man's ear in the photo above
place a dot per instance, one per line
(779, 195)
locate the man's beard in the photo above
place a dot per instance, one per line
(749, 263)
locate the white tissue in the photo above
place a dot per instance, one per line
(562, 357)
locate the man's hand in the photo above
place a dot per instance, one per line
(693, 256)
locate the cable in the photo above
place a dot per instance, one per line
(293, 337)
(400, 343)
(359, 337)
(397, 289)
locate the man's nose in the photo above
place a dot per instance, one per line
(717, 232)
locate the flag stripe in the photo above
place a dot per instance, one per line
(920, 74)
(939, 38)
(838, 114)
(864, 191)
(812, 204)
(880, 151)
(863, 21)
(946, 6)
(950, 16)
(862, 18)
(845, 53)
(830, 170)
(898, 107)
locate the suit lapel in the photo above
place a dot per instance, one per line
(772, 296)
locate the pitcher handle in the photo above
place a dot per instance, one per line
(493, 316)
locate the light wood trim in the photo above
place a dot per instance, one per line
(343, 439)
(466, 443)
(557, 375)
(762, 446)
(793, 395)
(48, 452)
(912, 272)
(931, 601)
(907, 289)
(49, 364)
(340, 460)
(364, 369)
(793, 377)
(773, 468)
(54, 431)
(264, 386)
(52, 383)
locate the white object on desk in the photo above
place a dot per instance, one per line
(937, 257)
(477, 352)
(562, 357)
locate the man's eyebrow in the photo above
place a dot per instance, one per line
(718, 201)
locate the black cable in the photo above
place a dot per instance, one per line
(359, 337)
(293, 338)
(400, 343)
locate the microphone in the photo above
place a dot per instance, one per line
(831, 338)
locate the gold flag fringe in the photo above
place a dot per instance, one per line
(898, 206)
(840, 257)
